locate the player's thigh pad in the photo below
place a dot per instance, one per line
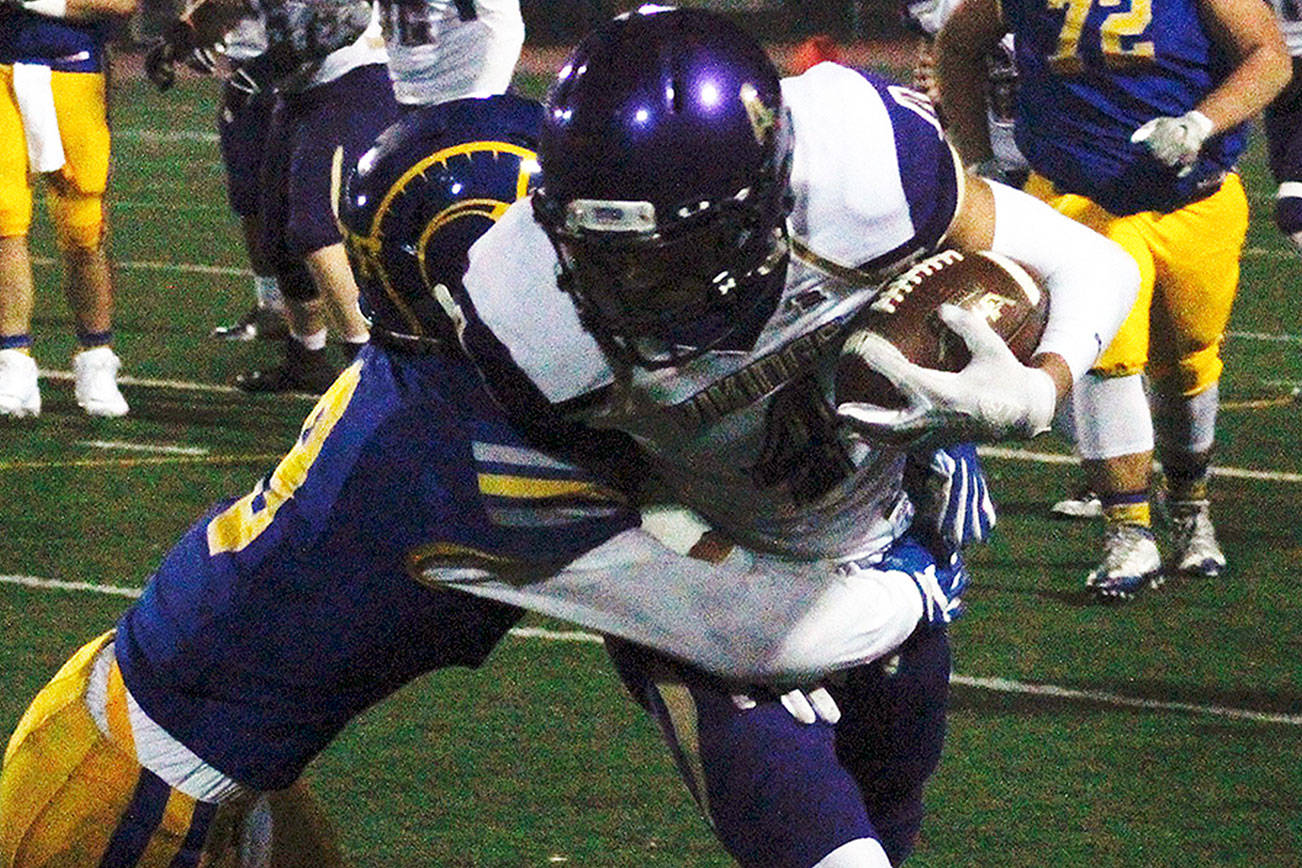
(1128, 352)
(1197, 250)
(76, 195)
(70, 796)
(15, 190)
(772, 787)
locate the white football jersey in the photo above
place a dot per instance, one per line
(441, 50)
(749, 439)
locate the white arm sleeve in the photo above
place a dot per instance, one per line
(752, 618)
(1092, 282)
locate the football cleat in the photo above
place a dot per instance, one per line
(1083, 503)
(258, 323)
(302, 370)
(95, 375)
(1196, 552)
(19, 393)
(1131, 563)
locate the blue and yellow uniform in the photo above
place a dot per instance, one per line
(282, 614)
(1091, 74)
(75, 55)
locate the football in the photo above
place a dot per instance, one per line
(905, 313)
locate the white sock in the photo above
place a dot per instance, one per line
(267, 291)
(314, 341)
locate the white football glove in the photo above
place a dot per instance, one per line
(805, 706)
(994, 397)
(1176, 141)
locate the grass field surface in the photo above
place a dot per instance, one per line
(1165, 732)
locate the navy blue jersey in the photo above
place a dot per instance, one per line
(66, 46)
(1088, 81)
(282, 614)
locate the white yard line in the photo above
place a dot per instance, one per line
(997, 685)
(159, 448)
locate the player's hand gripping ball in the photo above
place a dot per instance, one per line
(904, 312)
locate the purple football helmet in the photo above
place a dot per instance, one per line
(666, 155)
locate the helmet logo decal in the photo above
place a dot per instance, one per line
(762, 118)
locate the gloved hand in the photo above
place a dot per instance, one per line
(994, 397)
(806, 706)
(949, 489)
(161, 58)
(203, 59)
(1176, 141)
(942, 588)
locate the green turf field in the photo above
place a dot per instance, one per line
(1166, 732)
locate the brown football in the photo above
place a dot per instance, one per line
(905, 313)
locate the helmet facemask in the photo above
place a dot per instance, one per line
(660, 290)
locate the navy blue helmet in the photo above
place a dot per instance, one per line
(666, 155)
(425, 191)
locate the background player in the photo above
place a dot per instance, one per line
(54, 124)
(1132, 124)
(243, 120)
(1284, 129)
(441, 50)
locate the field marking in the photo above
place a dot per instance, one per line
(235, 271)
(1062, 458)
(996, 685)
(143, 447)
(985, 451)
(101, 463)
(158, 265)
(155, 135)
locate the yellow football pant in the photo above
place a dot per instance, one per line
(72, 797)
(75, 192)
(1189, 272)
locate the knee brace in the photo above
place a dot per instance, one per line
(1288, 211)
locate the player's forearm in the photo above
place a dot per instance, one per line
(1092, 282)
(1256, 81)
(960, 71)
(1247, 31)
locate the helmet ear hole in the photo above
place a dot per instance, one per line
(426, 190)
(675, 115)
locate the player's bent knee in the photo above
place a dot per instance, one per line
(859, 853)
(1195, 373)
(78, 220)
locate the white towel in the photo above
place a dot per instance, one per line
(35, 98)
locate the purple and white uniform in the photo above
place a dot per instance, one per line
(746, 439)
